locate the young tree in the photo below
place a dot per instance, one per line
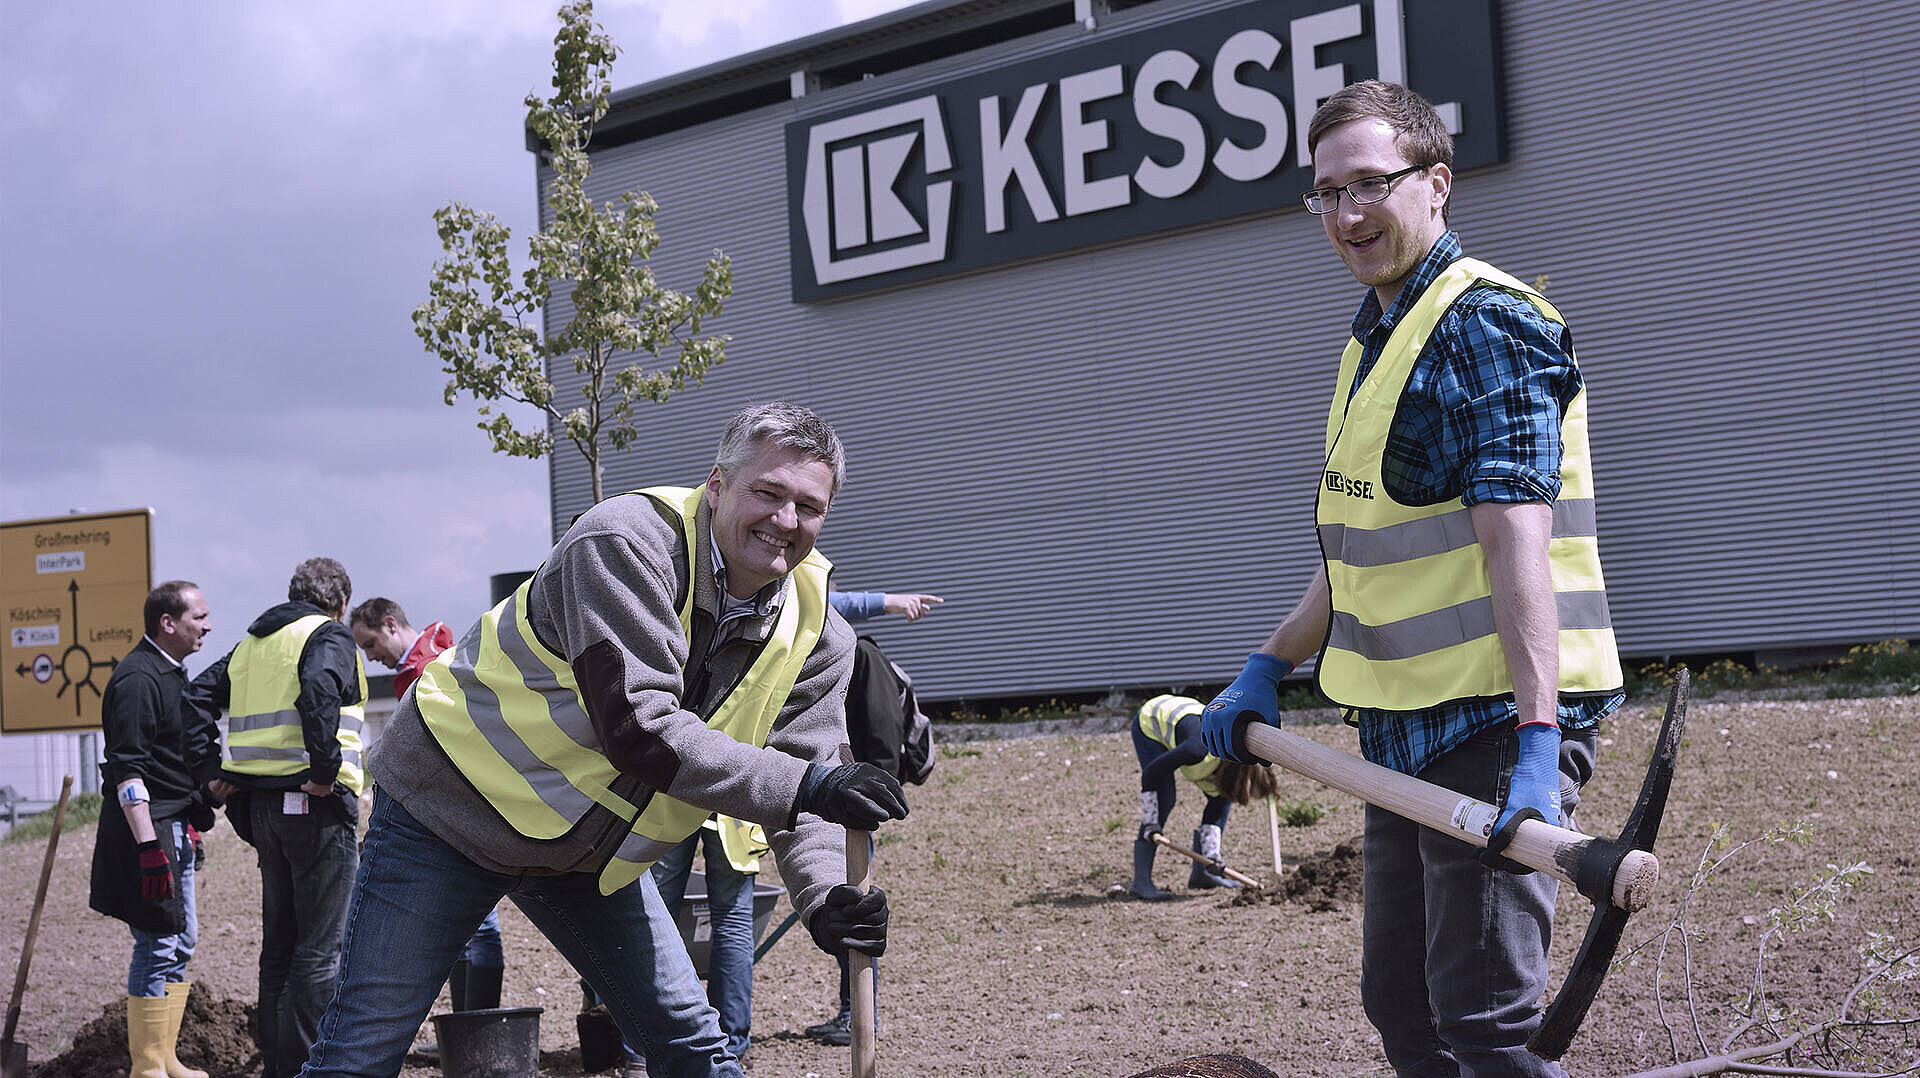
(631, 338)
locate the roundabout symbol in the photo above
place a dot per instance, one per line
(76, 664)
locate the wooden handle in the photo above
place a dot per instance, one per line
(39, 901)
(860, 964)
(1538, 845)
(1273, 828)
(1217, 866)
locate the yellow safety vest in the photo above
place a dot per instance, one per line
(743, 841)
(264, 733)
(1411, 625)
(509, 714)
(1159, 719)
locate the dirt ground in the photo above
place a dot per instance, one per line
(1013, 952)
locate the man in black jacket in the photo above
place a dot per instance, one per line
(295, 693)
(158, 759)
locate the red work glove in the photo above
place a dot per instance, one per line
(199, 848)
(156, 873)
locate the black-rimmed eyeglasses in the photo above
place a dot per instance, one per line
(1364, 191)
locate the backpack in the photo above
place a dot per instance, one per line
(885, 726)
(916, 750)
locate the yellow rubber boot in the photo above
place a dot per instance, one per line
(147, 1036)
(177, 992)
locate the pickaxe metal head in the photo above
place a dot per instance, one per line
(1597, 871)
(1618, 875)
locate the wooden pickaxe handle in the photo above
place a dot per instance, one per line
(1217, 866)
(860, 964)
(39, 901)
(1556, 851)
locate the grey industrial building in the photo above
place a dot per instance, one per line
(1045, 267)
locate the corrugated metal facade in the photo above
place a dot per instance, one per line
(1106, 460)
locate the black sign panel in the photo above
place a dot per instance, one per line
(1167, 127)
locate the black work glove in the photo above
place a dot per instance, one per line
(156, 872)
(851, 921)
(859, 796)
(199, 848)
(200, 806)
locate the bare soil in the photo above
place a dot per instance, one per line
(1016, 952)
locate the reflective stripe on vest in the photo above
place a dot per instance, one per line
(1412, 621)
(508, 713)
(1159, 719)
(265, 735)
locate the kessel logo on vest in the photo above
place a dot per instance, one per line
(1132, 133)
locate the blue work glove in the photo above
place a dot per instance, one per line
(1255, 694)
(1533, 792)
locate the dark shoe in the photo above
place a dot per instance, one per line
(1200, 879)
(836, 1030)
(1206, 842)
(1142, 886)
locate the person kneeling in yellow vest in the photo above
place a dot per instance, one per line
(674, 657)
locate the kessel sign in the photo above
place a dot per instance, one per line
(1176, 125)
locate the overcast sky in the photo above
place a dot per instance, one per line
(216, 218)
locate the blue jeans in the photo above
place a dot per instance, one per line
(307, 861)
(417, 901)
(730, 912)
(1470, 942)
(158, 960)
(483, 948)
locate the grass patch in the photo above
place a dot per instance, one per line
(1866, 669)
(1300, 813)
(82, 809)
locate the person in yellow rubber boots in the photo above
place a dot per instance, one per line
(159, 758)
(1166, 740)
(1459, 615)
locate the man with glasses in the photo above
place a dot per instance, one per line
(1459, 616)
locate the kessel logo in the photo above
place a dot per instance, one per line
(855, 215)
(1179, 122)
(1352, 488)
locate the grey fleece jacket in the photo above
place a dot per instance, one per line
(607, 600)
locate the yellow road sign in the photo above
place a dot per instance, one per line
(72, 589)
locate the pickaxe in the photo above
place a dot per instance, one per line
(1218, 866)
(1618, 875)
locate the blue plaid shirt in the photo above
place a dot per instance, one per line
(1479, 421)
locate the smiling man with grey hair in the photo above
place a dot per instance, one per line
(674, 657)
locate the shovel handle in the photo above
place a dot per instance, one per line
(1539, 845)
(33, 921)
(860, 964)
